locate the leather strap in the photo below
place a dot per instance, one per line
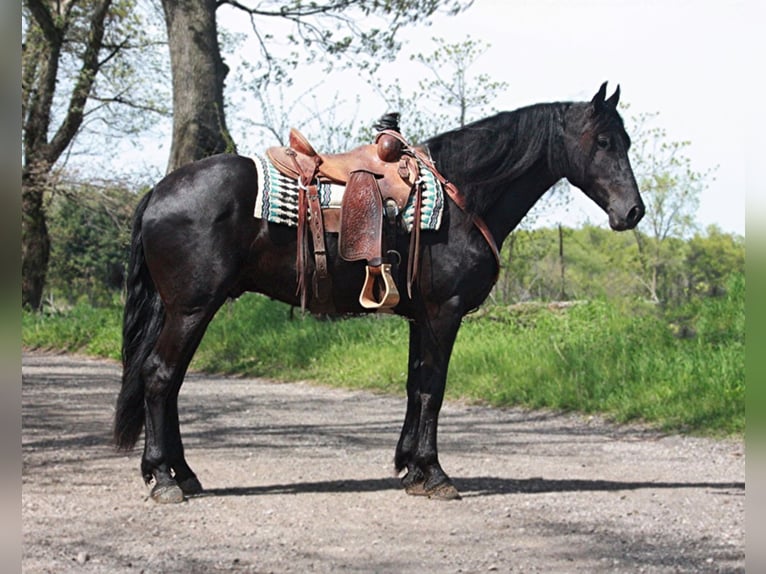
(301, 253)
(457, 197)
(308, 196)
(413, 262)
(322, 282)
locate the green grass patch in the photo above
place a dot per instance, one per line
(682, 371)
(82, 328)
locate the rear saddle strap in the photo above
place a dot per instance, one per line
(308, 200)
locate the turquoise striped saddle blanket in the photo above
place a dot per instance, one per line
(277, 199)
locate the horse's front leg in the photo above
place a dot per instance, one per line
(404, 459)
(426, 385)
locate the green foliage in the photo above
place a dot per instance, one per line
(90, 235)
(626, 361)
(629, 361)
(711, 258)
(598, 263)
(79, 71)
(671, 189)
(259, 337)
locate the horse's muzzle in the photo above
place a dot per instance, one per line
(626, 219)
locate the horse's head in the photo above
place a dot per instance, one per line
(597, 153)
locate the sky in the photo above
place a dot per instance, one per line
(686, 60)
(690, 61)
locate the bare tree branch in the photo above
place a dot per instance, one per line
(84, 84)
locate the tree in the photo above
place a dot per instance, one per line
(90, 227)
(671, 190)
(712, 258)
(361, 31)
(449, 87)
(76, 67)
(198, 71)
(450, 82)
(331, 123)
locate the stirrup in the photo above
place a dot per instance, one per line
(390, 297)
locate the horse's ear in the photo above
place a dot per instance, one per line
(614, 99)
(599, 99)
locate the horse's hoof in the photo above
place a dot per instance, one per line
(416, 489)
(444, 491)
(190, 486)
(167, 494)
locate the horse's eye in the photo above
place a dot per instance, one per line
(602, 142)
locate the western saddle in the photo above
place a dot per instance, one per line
(379, 180)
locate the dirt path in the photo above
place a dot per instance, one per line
(299, 479)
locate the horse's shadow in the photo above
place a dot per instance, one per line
(474, 486)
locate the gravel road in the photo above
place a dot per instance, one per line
(299, 478)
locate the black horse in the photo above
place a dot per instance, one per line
(195, 244)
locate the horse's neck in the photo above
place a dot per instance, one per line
(515, 201)
(514, 170)
(538, 166)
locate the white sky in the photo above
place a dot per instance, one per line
(691, 61)
(687, 60)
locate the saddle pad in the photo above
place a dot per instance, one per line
(277, 199)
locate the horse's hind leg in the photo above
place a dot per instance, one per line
(163, 460)
(182, 473)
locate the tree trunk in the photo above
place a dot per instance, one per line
(40, 60)
(199, 126)
(35, 241)
(562, 266)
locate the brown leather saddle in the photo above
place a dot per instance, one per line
(376, 176)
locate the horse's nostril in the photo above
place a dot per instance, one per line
(635, 215)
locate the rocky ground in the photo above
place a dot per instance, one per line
(299, 478)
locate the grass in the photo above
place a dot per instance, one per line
(82, 328)
(624, 360)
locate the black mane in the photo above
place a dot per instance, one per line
(494, 151)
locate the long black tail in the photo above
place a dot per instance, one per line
(142, 321)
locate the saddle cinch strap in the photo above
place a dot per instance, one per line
(362, 201)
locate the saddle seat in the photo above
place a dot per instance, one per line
(374, 175)
(396, 174)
